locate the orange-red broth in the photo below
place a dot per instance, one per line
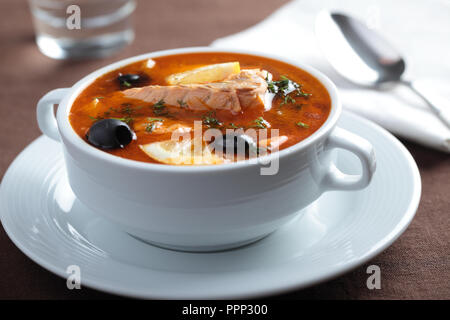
(312, 111)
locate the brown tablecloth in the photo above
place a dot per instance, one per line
(417, 266)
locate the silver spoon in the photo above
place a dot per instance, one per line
(364, 57)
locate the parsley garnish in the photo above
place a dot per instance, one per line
(127, 109)
(280, 87)
(127, 120)
(151, 125)
(287, 99)
(182, 103)
(155, 119)
(302, 125)
(210, 121)
(233, 126)
(159, 104)
(159, 108)
(260, 123)
(284, 87)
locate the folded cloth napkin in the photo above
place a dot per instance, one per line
(289, 32)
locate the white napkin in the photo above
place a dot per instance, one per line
(289, 32)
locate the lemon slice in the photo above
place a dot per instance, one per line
(209, 73)
(180, 153)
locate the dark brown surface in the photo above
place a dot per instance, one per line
(417, 266)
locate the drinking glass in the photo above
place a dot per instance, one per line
(67, 29)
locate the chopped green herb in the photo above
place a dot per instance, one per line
(151, 125)
(126, 109)
(272, 87)
(159, 108)
(127, 120)
(159, 104)
(287, 99)
(155, 119)
(284, 87)
(279, 87)
(302, 125)
(260, 123)
(300, 93)
(160, 112)
(210, 121)
(182, 103)
(233, 126)
(126, 83)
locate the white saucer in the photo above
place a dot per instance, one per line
(340, 231)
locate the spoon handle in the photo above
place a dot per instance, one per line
(442, 110)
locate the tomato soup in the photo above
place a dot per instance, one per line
(151, 99)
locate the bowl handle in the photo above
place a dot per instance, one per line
(335, 179)
(46, 114)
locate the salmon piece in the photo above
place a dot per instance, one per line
(237, 92)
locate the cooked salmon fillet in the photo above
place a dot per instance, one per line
(239, 91)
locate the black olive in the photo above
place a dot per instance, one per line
(239, 144)
(128, 79)
(109, 134)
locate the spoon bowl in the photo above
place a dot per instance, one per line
(364, 57)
